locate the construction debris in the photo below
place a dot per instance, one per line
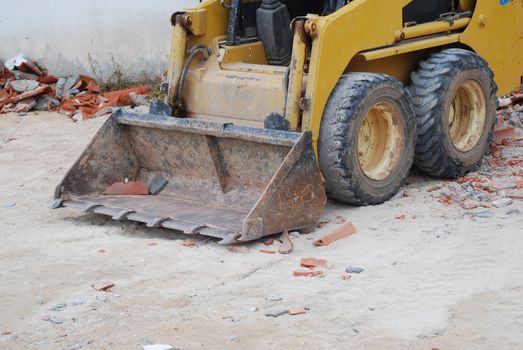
(286, 243)
(308, 273)
(296, 312)
(26, 86)
(499, 181)
(127, 189)
(276, 312)
(352, 269)
(103, 286)
(341, 232)
(239, 249)
(312, 263)
(188, 243)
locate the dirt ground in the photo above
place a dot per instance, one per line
(434, 280)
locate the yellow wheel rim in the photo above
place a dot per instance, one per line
(380, 140)
(467, 116)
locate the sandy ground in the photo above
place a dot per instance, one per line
(434, 281)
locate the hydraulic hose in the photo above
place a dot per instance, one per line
(178, 104)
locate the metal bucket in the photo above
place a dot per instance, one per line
(225, 181)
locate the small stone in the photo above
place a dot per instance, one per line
(372, 309)
(483, 198)
(158, 347)
(276, 312)
(59, 307)
(10, 205)
(295, 234)
(78, 117)
(483, 214)
(352, 269)
(249, 309)
(273, 298)
(157, 185)
(46, 318)
(234, 339)
(235, 319)
(502, 203)
(81, 345)
(56, 320)
(514, 212)
(102, 298)
(159, 108)
(77, 302)
(139, 100)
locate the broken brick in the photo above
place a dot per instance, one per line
(345, 277)
(121, 97)
(502, 134)
(188, 243)
(239, 249)
(296, 312)
(312, 263)
(138, 188)
(265, 251)
(103, 286)
(269, 242)
(308, 273)
(342, 232)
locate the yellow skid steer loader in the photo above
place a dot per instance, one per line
(273, 105)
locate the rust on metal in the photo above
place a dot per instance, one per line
(221, 180)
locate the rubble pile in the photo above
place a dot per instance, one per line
(26, 86)
(499, 182)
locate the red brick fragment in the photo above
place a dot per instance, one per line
(308, 273)
(138, 188)
(265, 251)
(188, 243)
(296, 312)
(121, 98)
(502, 134)
(341, 232)
(239, 249)
(345, 277)
(103, 286)
(88, 84)
(312, 263)
(48, 79)
(322, 224)
(269, 242)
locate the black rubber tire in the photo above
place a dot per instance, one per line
(433, 88)
(347, 107)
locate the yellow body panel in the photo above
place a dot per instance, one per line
(496, 34)
(364, 35)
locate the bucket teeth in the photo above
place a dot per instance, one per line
(156, 222)
(122, 215)
(90, 207)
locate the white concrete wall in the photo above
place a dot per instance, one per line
(62, 33)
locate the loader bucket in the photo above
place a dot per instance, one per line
(225, 181)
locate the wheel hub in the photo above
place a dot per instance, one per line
(380, 140)
(467, 116)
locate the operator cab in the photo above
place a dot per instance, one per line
(269, 21)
